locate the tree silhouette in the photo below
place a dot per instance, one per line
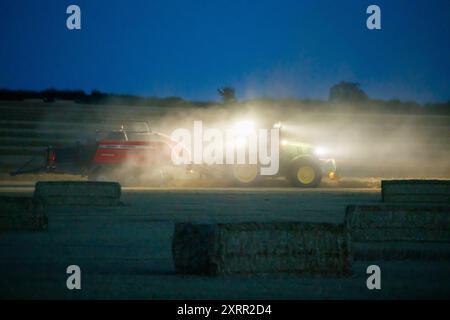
(347, 92)
(228, 94)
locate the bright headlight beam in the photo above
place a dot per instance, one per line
(320, 151)
(244, 128)
(241, 142)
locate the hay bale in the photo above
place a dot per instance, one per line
(252, 248)
(393, 232)
(22, 214)
(78, 193)
(414, 191)
(398, 223)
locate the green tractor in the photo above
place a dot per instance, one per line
(300, 163)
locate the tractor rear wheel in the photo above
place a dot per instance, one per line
(245, 174)
(305, 173)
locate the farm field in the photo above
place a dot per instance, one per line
(125, 252)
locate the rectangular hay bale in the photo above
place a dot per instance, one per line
(401, 251)
(22, 214)
(253, 248)
(398, 223)
(78, 193)
(415, 191)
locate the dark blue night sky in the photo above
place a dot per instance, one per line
(262, 48)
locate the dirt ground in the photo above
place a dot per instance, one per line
(125, 252)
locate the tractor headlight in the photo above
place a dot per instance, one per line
(244, 128)
(321, 151)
